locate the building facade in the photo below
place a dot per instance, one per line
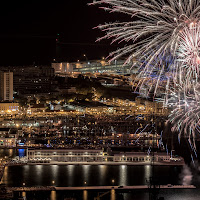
(8, 137)
(65, 155)
(95, 66)
(6, 86)
(62, 67)
(95, 155)
(9, 108)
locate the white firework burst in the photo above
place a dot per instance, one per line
(164, 35)
(155, 31)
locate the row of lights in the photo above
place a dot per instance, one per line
(53, 182)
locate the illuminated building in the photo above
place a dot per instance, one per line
(94, 66)
(37, 108)
(66, 155)
(62, 67)
(8, 137)
(95, 155)
(6, 86)
(9, 108)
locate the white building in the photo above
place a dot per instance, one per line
(65, 155)
(141, 157)
(95, 155)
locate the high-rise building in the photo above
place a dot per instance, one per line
(6, 86)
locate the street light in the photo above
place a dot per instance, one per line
(53, 182)
(85, 184)
(85, 57)
(113, 181)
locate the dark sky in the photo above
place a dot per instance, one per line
(29, 29)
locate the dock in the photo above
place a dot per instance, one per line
(135, 187)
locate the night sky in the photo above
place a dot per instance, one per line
(29, 30)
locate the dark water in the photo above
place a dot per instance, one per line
(76, 175)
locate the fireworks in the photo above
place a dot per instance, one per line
(165, 37)
(188, 57)
(157, 31)
(185, 116)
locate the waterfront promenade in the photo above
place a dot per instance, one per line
(110, 163)
(135, 187)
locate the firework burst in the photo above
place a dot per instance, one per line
(164, 36)
(185, 115)
(158, 29)
(188, 55)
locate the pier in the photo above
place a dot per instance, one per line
(135, 187)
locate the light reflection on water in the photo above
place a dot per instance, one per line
(53, 195)
(113, 195)
(85, 195)
(7, 152)
(86, 169)
(123, 175)
(102, 173)
(39, 170)
(147, 171)
(77, 175)
(24, 194)
(54, 174)
(26, 169)
(70, 169)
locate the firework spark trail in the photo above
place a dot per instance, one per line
(141, 132)
(160, 144)
(149, 151)
(167, 150)
(192, 159)
(137, 130)
(128, 117)
(144, 128)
